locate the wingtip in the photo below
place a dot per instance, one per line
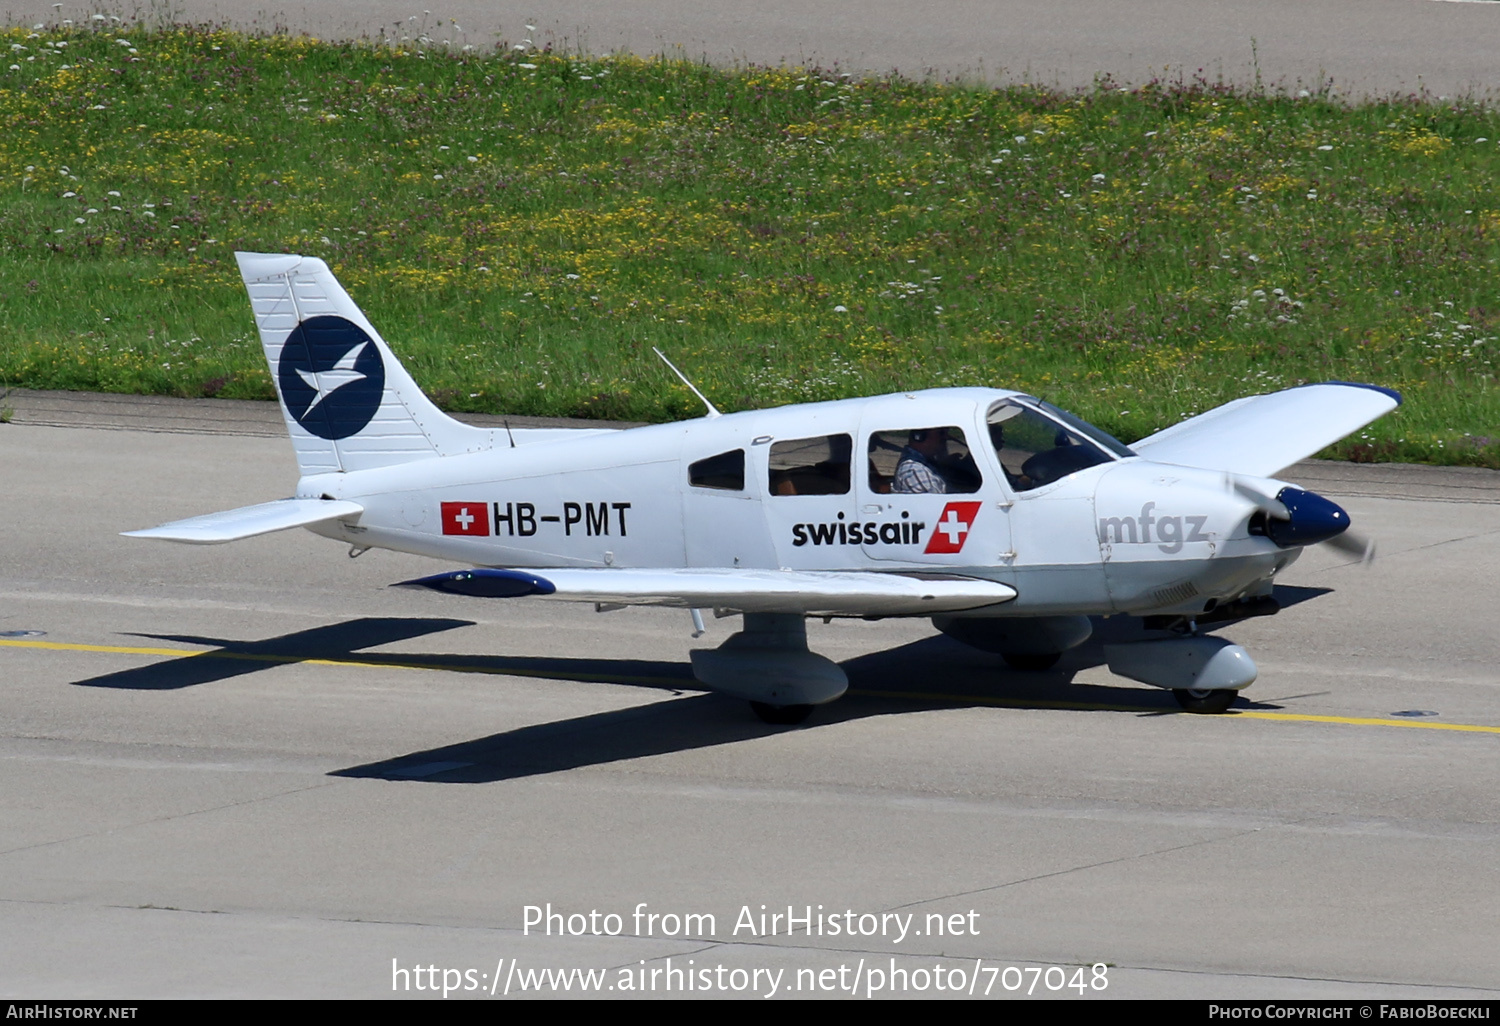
(1391, 392)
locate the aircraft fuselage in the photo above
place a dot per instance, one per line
(801, 487)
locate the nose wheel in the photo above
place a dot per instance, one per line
(781, 715)
(1031, 662)
(1194, 700)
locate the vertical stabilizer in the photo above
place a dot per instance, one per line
(349, 404)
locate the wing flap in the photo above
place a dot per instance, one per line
(249, 521)
(757, 591)
(1264, 434)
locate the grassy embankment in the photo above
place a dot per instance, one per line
(524, 226)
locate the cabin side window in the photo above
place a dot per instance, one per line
(726, 471)
(811, 466)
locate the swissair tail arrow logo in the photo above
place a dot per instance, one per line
(466, 518)
(331, 377)
(953, 526)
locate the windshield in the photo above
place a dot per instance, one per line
(1099, 435)
(1037, 445)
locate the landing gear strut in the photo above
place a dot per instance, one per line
(768, 664)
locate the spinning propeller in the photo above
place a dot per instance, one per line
(1293, 516)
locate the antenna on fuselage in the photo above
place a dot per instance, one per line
(712, 410)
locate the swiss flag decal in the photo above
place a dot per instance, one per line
(471, 519)
(952, 528)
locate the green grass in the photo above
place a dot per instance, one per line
(524, 226)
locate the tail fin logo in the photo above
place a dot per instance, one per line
(331, 377)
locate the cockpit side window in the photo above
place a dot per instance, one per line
(1035, 450)
(916, 460)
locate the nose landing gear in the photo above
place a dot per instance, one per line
(1203, 673)
(781, 715)
(1205, 700)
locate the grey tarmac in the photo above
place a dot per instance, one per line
(1353, 48)
(358, 778)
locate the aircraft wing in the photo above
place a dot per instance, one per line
(842, 592)
(249, 521)
(1263, 434)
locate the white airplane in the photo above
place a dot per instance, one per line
(1004, 519)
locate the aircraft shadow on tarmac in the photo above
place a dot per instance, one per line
(934, 673)
(892, 682)
(339, 641)
(899, 680)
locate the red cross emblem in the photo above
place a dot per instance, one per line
(953, 527)
(466, 518)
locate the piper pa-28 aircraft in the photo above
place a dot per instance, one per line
(1004, 519)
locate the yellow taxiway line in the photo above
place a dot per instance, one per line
(381, 662)
(1020, 703)
(397, 663)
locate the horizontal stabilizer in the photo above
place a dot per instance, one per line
(249, 521)
(1263, 434)
(756, 591)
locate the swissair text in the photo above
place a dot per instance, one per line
(903, 532)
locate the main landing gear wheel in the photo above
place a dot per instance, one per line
(1031, 661)
(1203, 701)
(781, 715)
